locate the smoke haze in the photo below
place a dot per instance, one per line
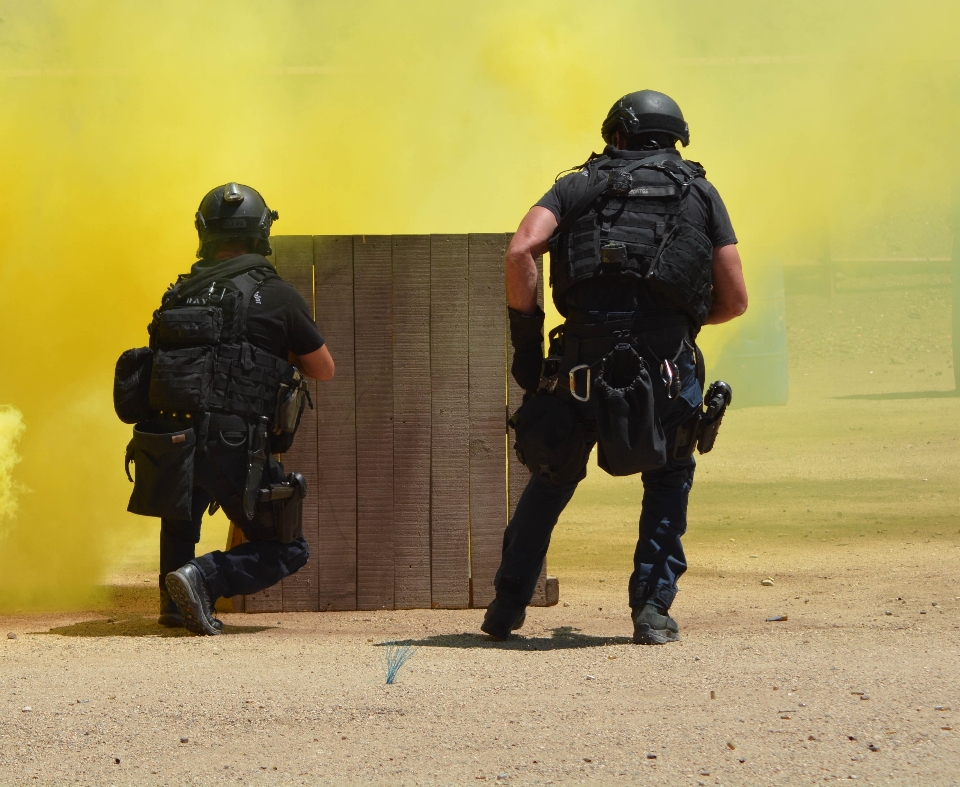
(822, 124)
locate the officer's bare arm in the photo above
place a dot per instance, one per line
(317, 365)
(729, 289)
(529, 242)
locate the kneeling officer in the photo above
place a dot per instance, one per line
(642, 254)
(220, 388)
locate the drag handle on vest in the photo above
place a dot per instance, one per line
(256, 459)
(716, 401)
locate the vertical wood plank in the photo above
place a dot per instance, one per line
(518, 475)
(449, 450)
(336, 427)
(488, 478)
(373, 326)
(294, 261)
(411, 420)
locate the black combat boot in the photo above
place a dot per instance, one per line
(653, 626)
(169, 612)
(502, 617)
(189, 591)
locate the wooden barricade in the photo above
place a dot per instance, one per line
(410, 471)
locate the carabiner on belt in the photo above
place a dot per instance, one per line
(573, 382)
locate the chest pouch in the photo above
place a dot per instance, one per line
(187, 325)
(131, 385)
(629, 433)
(163, 480)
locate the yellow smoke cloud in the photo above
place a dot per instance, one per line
(384, 117)
(11, 430)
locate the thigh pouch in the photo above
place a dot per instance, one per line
(279, 511)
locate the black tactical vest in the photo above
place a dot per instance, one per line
(630, 222)
(202, 360)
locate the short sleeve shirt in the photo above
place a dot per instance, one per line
(279, 320)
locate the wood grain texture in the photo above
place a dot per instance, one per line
(450, 459)
(488, 378)
(373, 351)
(293, 256)
(517, 475)
(336, 554)
(411, 421)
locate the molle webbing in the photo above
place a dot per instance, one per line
(202, 360)
(622, 223)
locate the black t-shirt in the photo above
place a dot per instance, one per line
(279, 320)
(703, 208)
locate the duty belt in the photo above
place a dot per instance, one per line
(564, 374)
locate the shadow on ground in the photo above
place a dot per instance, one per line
(904, 395)
(561, 638)
(137, 627)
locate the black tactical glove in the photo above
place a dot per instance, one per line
(526, 336)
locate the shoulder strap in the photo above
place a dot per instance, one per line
(231, 269)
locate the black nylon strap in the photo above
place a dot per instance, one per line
(202, 276)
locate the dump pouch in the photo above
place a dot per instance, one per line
(629, 432)
(131, 385)
(552, 441)
(163, 458)
(279, 511)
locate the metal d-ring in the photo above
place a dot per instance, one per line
(573, 382)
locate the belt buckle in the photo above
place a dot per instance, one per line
(573, 382)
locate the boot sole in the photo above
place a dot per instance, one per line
(186, 599)
(645, 635)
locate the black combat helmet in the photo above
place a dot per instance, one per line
(645, 110)
(234, 211)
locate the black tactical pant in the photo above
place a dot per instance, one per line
(659, 559)
(220, 474)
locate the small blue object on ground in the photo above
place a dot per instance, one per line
(395, 656)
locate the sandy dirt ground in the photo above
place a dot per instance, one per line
(847, 499)
(860, 682)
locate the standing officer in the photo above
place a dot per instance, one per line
(229, 348)
(642, 254)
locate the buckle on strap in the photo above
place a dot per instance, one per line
(573, 382)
